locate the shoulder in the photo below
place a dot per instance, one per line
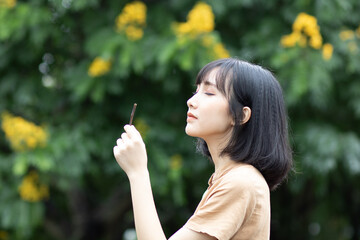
(245, 178)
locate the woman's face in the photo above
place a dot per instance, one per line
(208, 116)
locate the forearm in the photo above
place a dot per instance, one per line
(147, 222)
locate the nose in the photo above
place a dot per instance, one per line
(191, 102)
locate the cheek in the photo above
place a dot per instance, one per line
(223, 120)
(222, 112)
(219, 118)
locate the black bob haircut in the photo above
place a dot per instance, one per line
(263, 140)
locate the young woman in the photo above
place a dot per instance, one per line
(239, 118)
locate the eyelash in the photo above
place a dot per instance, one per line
(209, 94)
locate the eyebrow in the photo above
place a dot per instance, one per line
(207, 83)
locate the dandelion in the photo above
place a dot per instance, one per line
(99, 67)
(132, 20)
(200, 20)
(22, 134)
(176, 162)
(7, 3)
(31, 189)
(327, 51)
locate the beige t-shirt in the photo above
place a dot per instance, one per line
(235, 206)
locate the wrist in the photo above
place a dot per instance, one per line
(138, 175)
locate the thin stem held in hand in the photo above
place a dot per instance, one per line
(132, 114)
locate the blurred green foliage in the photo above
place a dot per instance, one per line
(47, 48)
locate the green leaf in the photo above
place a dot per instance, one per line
(21, 164)
(167, 52)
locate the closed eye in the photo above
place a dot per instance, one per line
(209, 94)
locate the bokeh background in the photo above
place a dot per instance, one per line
(71, 70)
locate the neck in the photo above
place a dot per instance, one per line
(215, 148)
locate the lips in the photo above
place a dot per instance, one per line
(190, 115)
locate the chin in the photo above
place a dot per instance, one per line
(190, 132)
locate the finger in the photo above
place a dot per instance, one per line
(116, 151)
(119, 142)
(125, 137)
(131, 131)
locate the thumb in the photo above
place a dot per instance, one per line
(132, 131)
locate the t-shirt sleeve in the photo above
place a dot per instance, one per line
(224, 210)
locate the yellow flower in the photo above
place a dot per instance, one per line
(132, 20)
(220, 51)
(304, 26)
(288, 40)
(216, 49)
(183, 28)
(302, 21)
(7, 3)
(292, 39)
(347, 35)
(316, 41)
(200, 20)
(99, 67)
(306, 23)
(31, 142)
(302, 40)
(312, 30)
(327, 51)
(31, 190)
(134, 33)
(23, 135)
(136, 12)
(176, 162)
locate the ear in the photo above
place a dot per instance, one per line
(246, 115)
(232, 122)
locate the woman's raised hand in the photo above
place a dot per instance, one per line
(130, 152)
